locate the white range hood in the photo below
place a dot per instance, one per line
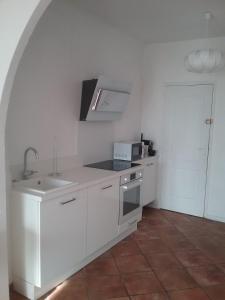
(104, 99)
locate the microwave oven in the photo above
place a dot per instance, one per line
(127, 150)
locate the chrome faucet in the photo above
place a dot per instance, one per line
(27, 173)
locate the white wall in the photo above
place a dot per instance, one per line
(67, 47)
(17, 21)
(164, 63)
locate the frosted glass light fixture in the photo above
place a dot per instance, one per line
(205, 60)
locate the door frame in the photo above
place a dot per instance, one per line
(211, 130)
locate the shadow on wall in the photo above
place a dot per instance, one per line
(69, 46)
(95, 141)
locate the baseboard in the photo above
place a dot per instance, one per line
(214, 218)
(154, 204)
(24, 288)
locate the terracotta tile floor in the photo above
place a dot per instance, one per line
(170, 256)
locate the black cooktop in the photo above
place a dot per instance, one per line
(113, 165)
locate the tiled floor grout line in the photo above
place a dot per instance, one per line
(162, 286)
(181, 266)
(201, 287)
(164, 290)
(121, 278)
(141, 272)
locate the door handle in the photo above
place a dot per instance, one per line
(68, 201)
(209, 121)
(107, 187)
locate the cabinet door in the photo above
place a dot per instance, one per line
(63, 234)
(149, 186)
(103, 214)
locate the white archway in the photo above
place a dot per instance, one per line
(17, 22)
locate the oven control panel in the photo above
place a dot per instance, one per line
(131, 177)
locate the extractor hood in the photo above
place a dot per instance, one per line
(104, 99)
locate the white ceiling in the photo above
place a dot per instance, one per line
(153, 21)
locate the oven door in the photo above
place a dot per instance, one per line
(130, 200)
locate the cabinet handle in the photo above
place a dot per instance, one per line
(151, 164)
(107, 187)
(69, 201)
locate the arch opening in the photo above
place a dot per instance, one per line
(26, 15)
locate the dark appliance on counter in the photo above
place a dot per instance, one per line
(151, 151)
(149, 146)
(113, 165)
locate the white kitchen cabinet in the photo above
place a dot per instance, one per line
(103, 214)
(150, 176)
(49, 238)
(56, 234)
(63, 234)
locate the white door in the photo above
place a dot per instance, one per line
(185, 148)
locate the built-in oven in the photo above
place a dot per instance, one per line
(130, 195)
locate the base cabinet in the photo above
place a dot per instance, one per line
(54, 238)
(62, 235)
(103, 214)
(150, 177)
(49, 238)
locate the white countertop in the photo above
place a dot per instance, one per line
(86, 176)
(82, 177)
(146, 158)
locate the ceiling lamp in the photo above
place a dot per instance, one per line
(205, 60)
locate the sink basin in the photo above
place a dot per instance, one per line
(43, 184)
